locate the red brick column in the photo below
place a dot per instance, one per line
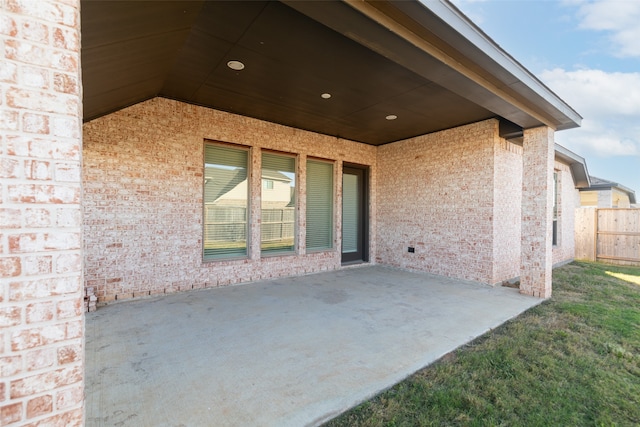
(537, 212)
(41, 297)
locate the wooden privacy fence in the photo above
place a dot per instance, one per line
(610, 235)
(229, 224)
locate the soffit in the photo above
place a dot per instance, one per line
(293, 53)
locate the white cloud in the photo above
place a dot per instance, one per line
(598, 92)
(610, 105)
(601, 140)
(618, 17)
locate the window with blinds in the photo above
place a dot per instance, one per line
(278, 204)
(319, 205)
(225, 202)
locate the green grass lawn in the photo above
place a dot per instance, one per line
(572, 361)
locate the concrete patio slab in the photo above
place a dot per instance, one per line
(286, 352)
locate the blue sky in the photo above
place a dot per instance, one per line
(588, 53)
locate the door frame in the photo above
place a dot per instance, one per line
(362, 254)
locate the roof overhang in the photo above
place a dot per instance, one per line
(425, 63)
(577, 164)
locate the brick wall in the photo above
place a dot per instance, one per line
(568, 201)
(143, 182)
(507, 211)
(455, 196)
(435, 194)
(537, 212)
(41, 294)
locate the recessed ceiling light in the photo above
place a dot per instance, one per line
(235, 65)
(391, 117)
(325, 95)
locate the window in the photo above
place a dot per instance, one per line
(225, 202)
(319, 205)
(278, 204)
(267, 184)
(555, 209)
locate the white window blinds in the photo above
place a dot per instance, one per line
(319, 205)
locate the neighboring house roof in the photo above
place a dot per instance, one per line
(425, 63)
(275, 175)
(598, 184)
(219, 181)
(577, 164)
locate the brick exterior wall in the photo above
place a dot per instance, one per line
(41, 293)
(537, 212)
(143, 210)
(507, 211)
(455, 196)
(435, 193)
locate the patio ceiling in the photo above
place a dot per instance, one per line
(426, 64)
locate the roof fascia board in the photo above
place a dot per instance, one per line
(518, 86)
(632, 197)
(450, 14)
(577, 164)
